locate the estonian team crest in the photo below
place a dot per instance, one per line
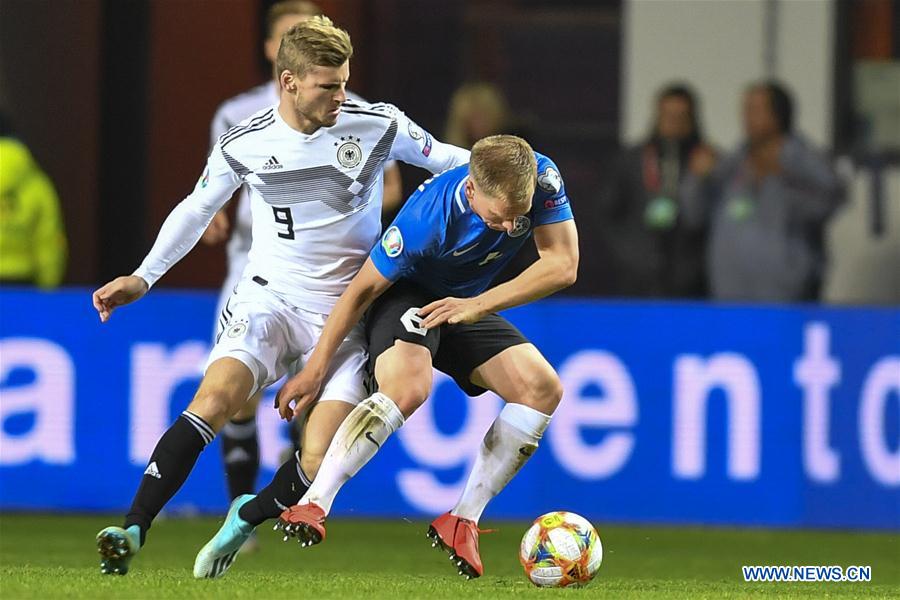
(392, 242)
(349, 153)
(523, 224)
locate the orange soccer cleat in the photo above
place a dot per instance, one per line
(459, 537)
(306, 522)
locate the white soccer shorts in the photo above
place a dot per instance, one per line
(236, 266)
(273, 338)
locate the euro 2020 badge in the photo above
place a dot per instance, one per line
(392, 242)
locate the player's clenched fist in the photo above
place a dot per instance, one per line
(118, 292)
(301, 390)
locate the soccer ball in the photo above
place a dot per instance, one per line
(561, 549)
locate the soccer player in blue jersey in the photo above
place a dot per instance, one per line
(427, 282)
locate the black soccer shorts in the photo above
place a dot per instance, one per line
(456, 350)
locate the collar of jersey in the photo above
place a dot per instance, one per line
(461, 199)
(306, 137)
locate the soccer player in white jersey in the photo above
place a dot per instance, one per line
(240, 444)
(313, 164)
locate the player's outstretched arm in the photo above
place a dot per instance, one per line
(118, 292)
(415, 146)
(555, 269)
(184, 226)
(302, 389)
(178, 234)
(217, 231)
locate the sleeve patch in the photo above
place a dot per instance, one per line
(550, 180)
(555, 202)
(392, 242)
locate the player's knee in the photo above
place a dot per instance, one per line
(410, 397)
(405, 379)
(247, 411)
(214, 406)
(310, 461)
(411, 400)
(544, 392)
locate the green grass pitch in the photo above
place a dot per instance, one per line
(55, 557)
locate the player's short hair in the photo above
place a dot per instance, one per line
(316, 42)
(504, 167)
(300, 8)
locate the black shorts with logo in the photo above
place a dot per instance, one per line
(455, 349)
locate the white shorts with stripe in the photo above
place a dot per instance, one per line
(236, 264)
(273, 338)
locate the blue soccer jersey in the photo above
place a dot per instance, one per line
(440, 243)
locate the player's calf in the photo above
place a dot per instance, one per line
(404, 374)
(224, 390)
(240, 453)
(356, 441)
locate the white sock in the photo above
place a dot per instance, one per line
(508, 445)
(355, 442)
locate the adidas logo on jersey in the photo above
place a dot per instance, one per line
(153, 470)
(272, 164)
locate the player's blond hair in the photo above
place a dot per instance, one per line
(504, 167)
(314, 42)
(298, 8)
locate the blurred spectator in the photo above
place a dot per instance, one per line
(32, 236)
(766, 206)
(477, 110)
(653, 253)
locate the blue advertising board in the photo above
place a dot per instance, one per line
(679, 413)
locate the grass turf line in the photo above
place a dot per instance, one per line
(55, 557)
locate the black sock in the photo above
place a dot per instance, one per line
(170, 464)
(286, 489)
(295, 427)
(240, 451)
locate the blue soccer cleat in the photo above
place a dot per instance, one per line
(117, 547)
(220, 552)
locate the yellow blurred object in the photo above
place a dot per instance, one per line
(32, 237)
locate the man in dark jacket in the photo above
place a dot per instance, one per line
(766, 206)
(653, 253)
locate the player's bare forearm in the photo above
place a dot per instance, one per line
(359, 295)
(541, 279)
(544, 277)
(555, 269)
